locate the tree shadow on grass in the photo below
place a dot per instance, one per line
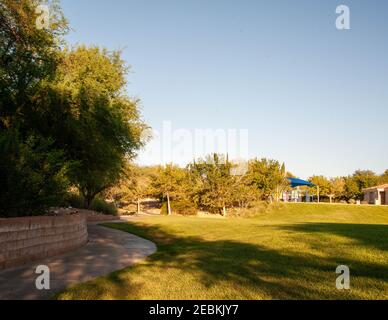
(367, 237)
(252, 270)
(370, 235)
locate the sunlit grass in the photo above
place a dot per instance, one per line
(290, 253)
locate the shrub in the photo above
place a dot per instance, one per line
(75, 201)
(182, 207)
(100, 205)
(185, 208)
(259, 208)
(32, 175)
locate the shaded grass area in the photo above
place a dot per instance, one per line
(275, 256)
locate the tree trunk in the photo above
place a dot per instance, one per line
(224, 211)
(168, 205)
(138, 206)
(88, 200)
(318, 196)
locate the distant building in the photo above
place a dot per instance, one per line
(297, 195)
(377, 195)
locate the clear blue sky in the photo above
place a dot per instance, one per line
(309, 94)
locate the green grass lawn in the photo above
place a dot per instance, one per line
(289, 253)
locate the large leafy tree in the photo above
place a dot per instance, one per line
(67, 108)
(32, 170)
(28, 58)
(97, 125)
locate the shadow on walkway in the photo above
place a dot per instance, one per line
(107, 250)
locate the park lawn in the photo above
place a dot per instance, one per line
(288, 253)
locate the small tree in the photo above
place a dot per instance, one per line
(269, 176)
(355, 183)
(243, 194)
(351, 188)
(214, 183)
(169, 184)
(336, 188)
(133, 186)
(322, 186)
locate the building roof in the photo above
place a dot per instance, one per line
(299, 182)
(381, 186)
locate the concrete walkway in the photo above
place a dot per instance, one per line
(108, 250)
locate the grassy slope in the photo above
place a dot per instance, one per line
(290, 253)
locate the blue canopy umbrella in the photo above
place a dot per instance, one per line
(299, 182)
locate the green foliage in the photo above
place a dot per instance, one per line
(355, 184)
(323, 183)
(170, 180)
(383, 179)
(32, 169)
(182, 207)
(103, 128)
(71, 100)
(213, 183)
(98, 204)
(268, 176)
(170, 183)
(346, 188)
(32, 175)
(336, 188)
(245, 195)
(352, 190)
(75, 200)
(28, 58)
(133, 184)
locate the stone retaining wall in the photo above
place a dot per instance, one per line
(100, 217)
(26, 239)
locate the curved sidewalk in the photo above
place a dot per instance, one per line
(108, 250)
